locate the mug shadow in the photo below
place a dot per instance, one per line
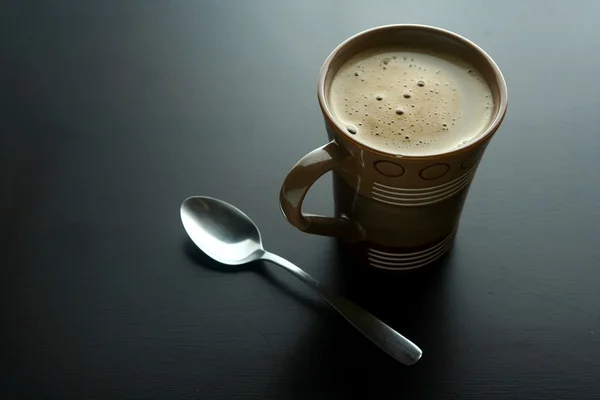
(385, 289)
(416, 304)
(197, 256)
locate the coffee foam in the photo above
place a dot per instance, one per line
(410, 100)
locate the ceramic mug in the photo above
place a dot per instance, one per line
(397, 213)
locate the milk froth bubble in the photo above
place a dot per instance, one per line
(411, 101)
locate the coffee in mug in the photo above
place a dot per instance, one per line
(409, 100)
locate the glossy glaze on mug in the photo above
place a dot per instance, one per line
(402, 211)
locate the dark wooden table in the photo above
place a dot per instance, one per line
(112, 112)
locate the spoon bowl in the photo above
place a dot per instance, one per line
(221, 230)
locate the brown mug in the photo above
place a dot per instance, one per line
(398, 212)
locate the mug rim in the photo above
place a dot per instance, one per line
(484, 136)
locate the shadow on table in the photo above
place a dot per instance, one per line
(340, 362)
(400, 296)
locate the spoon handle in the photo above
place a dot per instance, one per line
(374, 329)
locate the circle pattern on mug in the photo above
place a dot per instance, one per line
(434, 171)
(389, 169)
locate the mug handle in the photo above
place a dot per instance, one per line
(297, 183)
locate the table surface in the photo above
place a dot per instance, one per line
(113, 112)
